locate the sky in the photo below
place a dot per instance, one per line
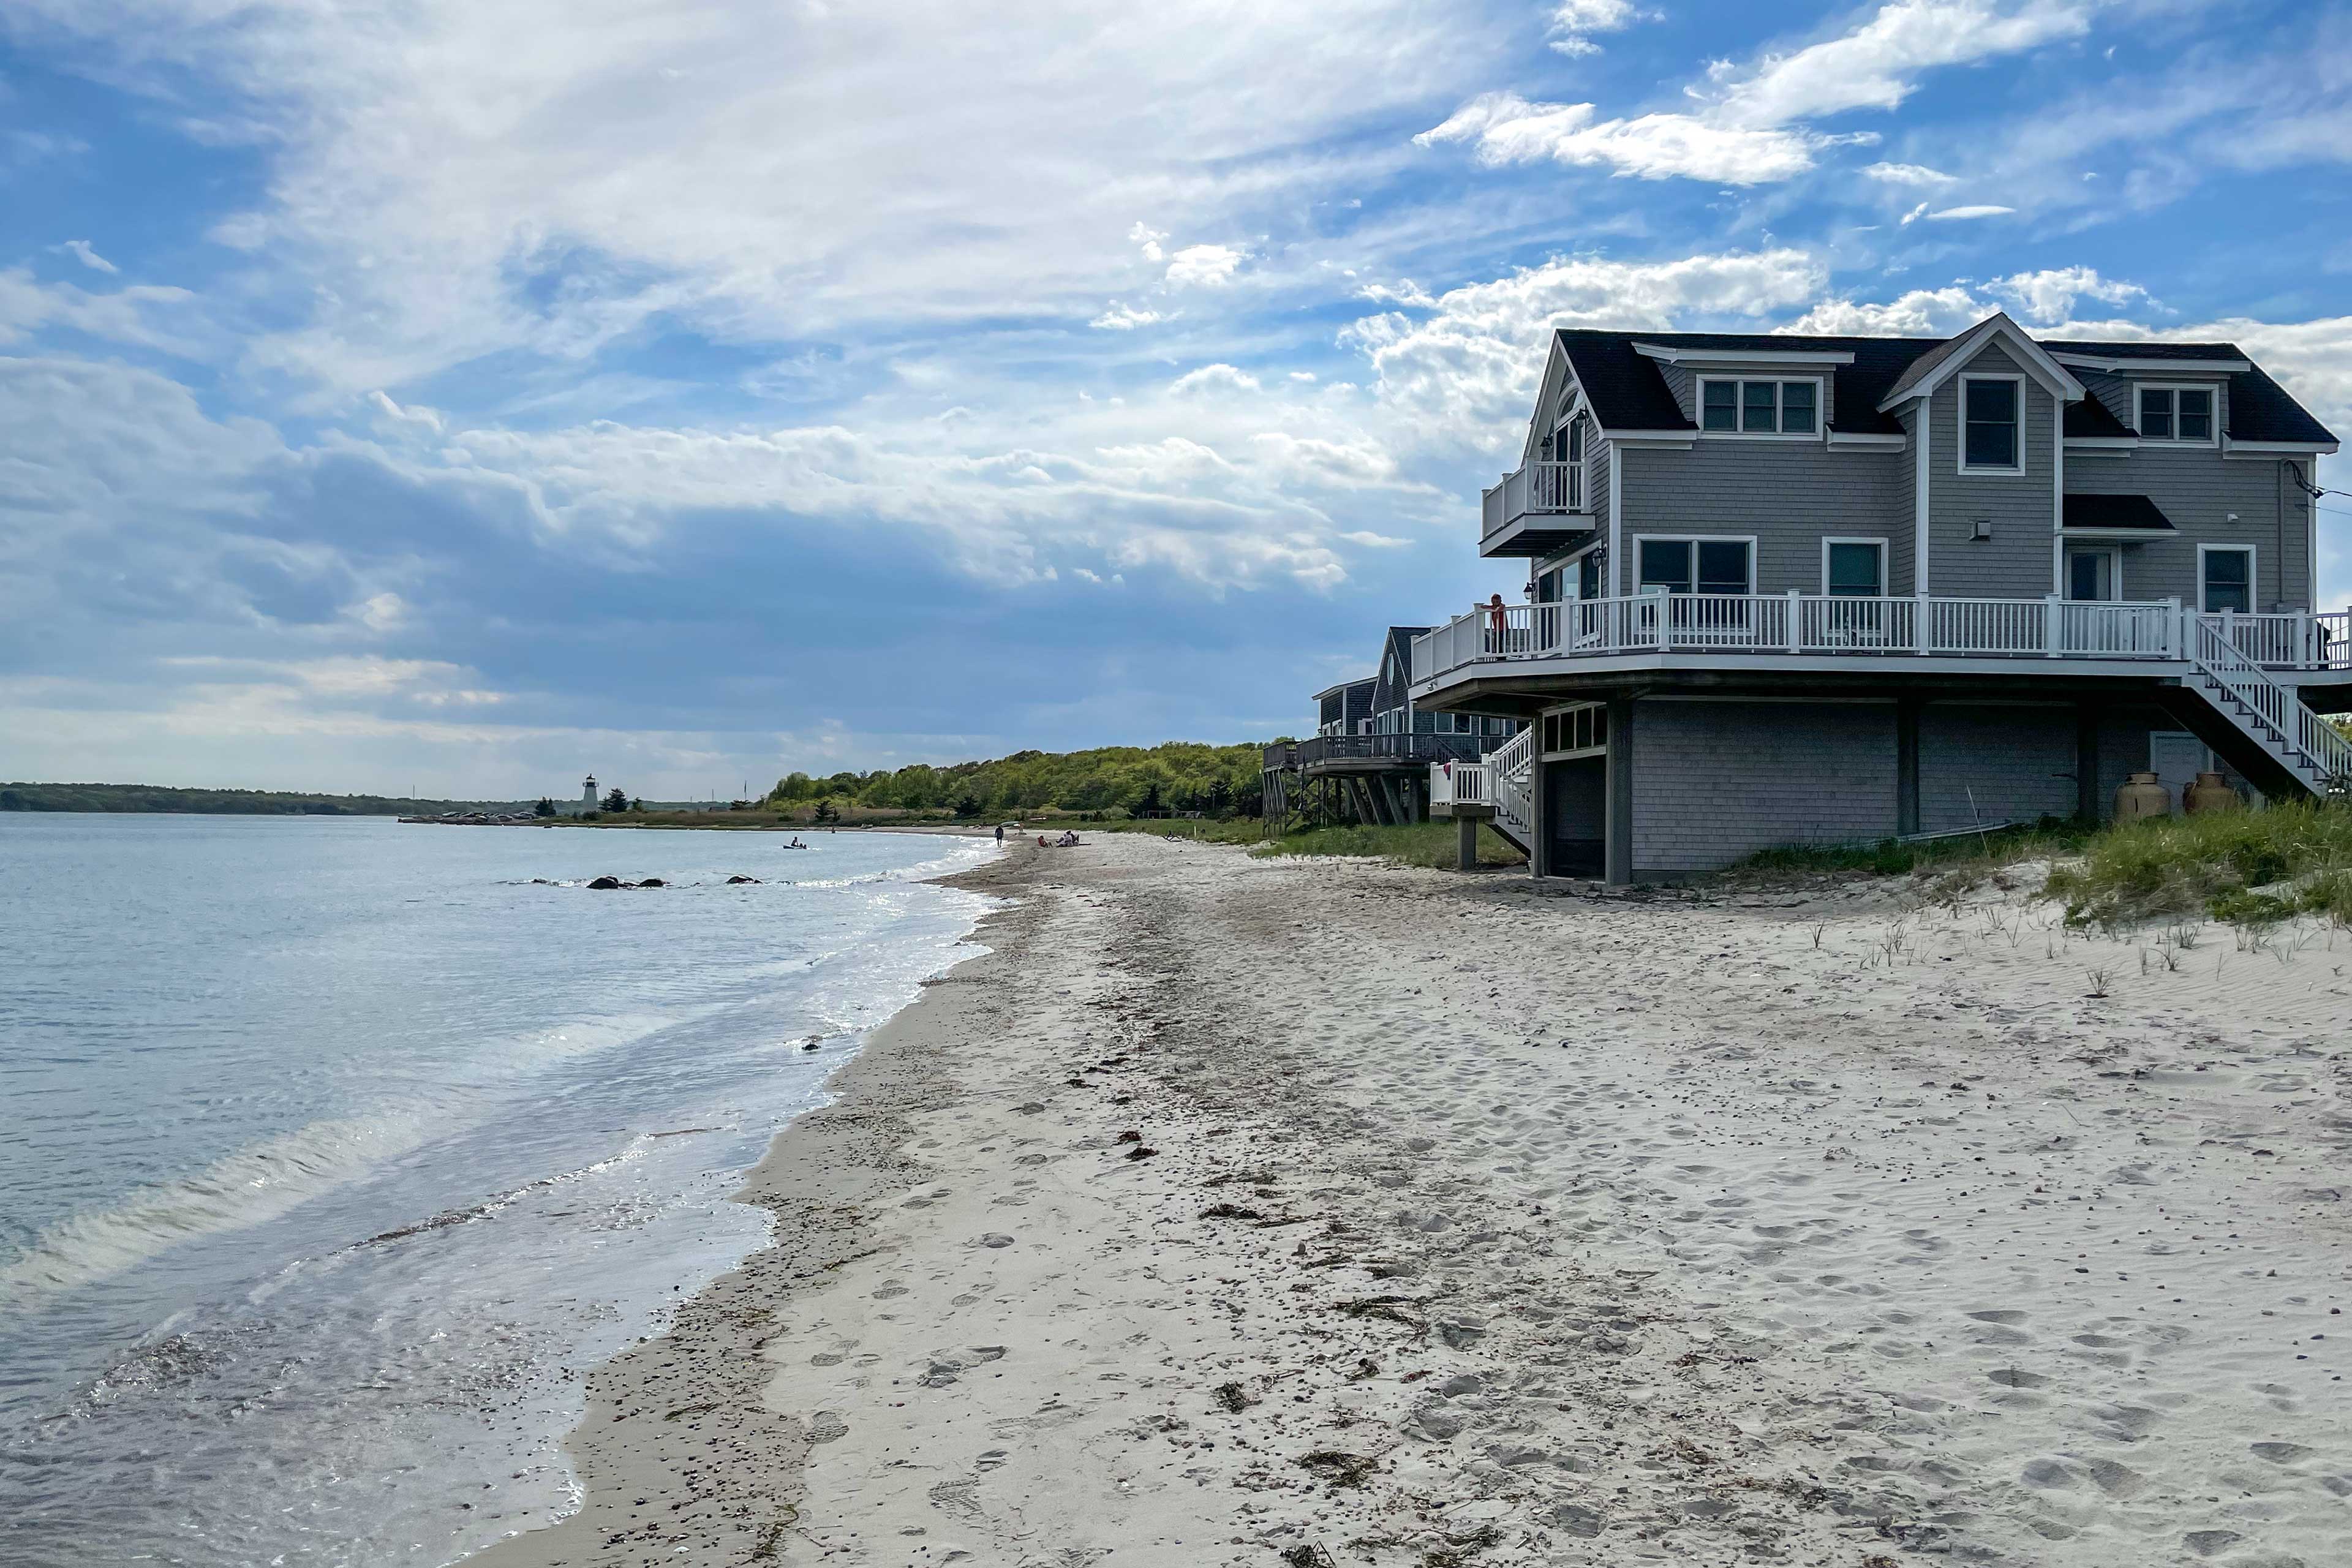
(438, 396)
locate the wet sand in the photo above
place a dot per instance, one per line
(1241, 1212)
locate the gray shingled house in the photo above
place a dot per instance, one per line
(1806, 590)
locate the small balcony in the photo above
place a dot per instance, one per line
(1538, 510)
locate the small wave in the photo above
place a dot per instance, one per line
(245, 1188)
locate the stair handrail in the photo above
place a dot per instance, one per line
(2317, 743)
(1513, 765)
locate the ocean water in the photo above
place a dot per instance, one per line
(334, 1151)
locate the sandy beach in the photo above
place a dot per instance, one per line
(1231, 1210)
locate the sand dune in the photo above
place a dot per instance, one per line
(1236, 1211)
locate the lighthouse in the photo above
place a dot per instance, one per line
(588, 795)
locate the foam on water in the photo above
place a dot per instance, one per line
(343, 1150)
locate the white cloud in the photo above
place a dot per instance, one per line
(1920, 313)
(1205, 264)
(411, 413)
(1506, 129)
(145, 315)
(1148, 240)
(1122, 318)
(1969, 213)
(82, 251)
(1213, 377)
(1574, 22)
(1753, 128)
(2050, 296)
(1908, 174)
(1464, 375)
(1878, 65)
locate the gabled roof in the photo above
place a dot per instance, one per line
(1627, 390)
(1931, 369)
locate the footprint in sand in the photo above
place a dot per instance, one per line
(2001, 1315)
(2281, 1453)
(827, 1426)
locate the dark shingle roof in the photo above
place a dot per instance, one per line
(2135, 513)
(1628, 392)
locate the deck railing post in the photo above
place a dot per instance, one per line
(2176, 635)
(1922, 619)
(2053, 636)
(1796, 622)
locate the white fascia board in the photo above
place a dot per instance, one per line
(1680, 438)
(2102, 442)
(1743, 356)
(2267, 449)
(2053, 376)
(1868, 438)
(2215, 368)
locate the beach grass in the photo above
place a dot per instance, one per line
(1429, 844)
(2247, 868)
(1965, 854)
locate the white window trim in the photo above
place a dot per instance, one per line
(2214, 423)
(2253, 577)
(1885, 561)
(2070, 548)
(1960, 423)
(1820, 416)
(1574, 753)
(1634, 565)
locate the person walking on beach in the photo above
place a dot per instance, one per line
(999, 836)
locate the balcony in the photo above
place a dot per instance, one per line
(1534, 511)
(1808, 627)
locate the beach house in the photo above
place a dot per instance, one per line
(1805, 590)
(1372, 747)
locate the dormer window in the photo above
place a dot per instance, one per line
(1760, 407)
(1990, 437)
(2176, 414)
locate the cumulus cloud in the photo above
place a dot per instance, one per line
(1213, 378)
(1205, 264)
(1122, 318)
(2050, 296)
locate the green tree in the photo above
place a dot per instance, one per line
(826, 811)
(617, 799)
(969, 805)
(545, 808)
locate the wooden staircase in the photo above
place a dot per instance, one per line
(2285, 742)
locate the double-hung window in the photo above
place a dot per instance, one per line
(1854, 568)
(2177, 413)
(2226, 579)
(1697, 565)
(1760, 407)
(1990, 414)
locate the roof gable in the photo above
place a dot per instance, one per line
(1937, 366)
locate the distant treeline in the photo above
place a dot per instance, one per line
(1220, 781)
(227, 802)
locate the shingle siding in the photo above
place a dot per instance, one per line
(1788, 494)
(1715, 781)
(1994, 763)
(2017, 562)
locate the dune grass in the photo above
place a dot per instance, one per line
(2243, 866)
(1423, 844)
(1891, 858)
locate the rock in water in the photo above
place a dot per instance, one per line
(739, 881)
(653, 882)
(605, 884)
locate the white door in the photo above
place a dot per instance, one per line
(2177, 757)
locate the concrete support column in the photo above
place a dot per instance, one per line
(1907, 765)
(1466, 842)
(1619, 851)
(1539, 820)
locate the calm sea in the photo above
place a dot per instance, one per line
(333, 1152)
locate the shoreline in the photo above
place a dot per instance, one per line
(683, 1415)
(1230, 1210)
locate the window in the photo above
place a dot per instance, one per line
(1588, 577)
(1854, 568)
(2176, 414)
(1697, 565)
(2093, 577)
(1760, 407)
(1578, 730)
(1988, 407)
(2227, 578)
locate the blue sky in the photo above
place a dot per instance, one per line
(462, 397)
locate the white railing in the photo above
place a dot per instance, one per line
(1460, 783)
(1539, 488)
(2047, 627)
(2310, 740)
(1513, 766)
